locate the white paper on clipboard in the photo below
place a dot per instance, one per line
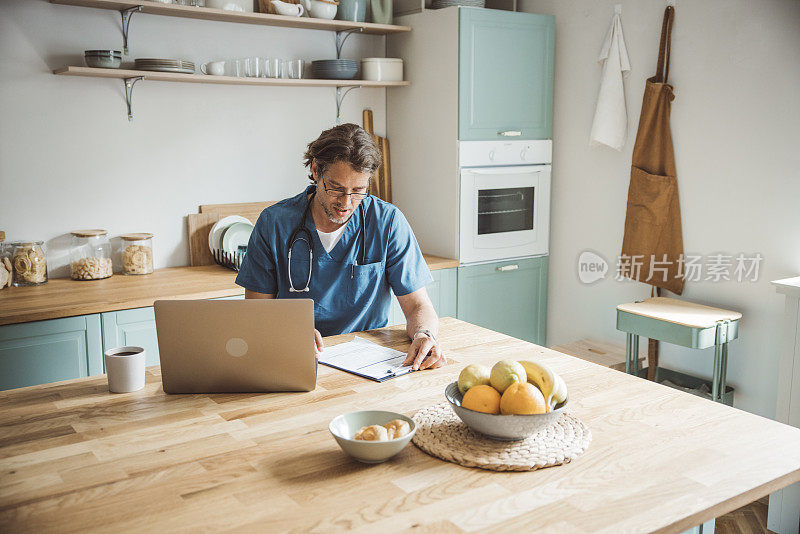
(365, 358)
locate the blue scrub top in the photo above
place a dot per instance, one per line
(347, 297)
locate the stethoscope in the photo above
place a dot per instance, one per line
(297, 235)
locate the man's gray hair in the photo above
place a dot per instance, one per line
(348, 143)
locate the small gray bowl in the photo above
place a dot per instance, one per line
(501, 427)
(345, 426)
(103, 62)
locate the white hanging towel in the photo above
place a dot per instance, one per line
(610, 125)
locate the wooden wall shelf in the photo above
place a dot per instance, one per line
(124, 74)
(130, 77)
(204, 13)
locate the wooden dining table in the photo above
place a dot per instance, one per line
(74, 457)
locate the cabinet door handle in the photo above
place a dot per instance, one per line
(510, 133)
(508, 268)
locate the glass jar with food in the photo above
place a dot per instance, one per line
(29, 263)
(137, 253)
(90, 255)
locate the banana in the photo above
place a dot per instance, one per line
(559, 392)
(543, 378)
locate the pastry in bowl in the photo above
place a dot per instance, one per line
(372, 436)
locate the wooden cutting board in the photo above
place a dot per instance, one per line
(199, 226)
(385, 170)
(249, 210)
(381, 181)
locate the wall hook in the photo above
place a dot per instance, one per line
(340, 98)
(340, 40)
(129, 83)
(126, 22)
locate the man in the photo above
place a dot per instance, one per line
(344, 249)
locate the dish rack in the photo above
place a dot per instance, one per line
(231, 260)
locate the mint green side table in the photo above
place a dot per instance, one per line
(680, 323)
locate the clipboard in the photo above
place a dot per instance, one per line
(367, 359)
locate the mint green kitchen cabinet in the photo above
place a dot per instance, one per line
(135, 327)
(49, 351)
(507, 296)
(505, 80)
(395, 313)
(442, 291)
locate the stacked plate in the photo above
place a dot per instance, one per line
(165, 65)
(439, 4)
(229, 233)
(334, 69)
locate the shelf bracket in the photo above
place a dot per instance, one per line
(129, 83)
(340, 98)
(126, 22)
(340, 39)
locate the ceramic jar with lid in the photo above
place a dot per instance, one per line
(382, 69)
(29, 263)
(137, 253)
(90, 255)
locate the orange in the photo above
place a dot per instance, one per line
(483, 398)
(522, 398)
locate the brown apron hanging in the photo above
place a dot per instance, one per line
(653, 238)
(652, 247)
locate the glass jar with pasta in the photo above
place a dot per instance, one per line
(29, 263)
(90, 255)
(137, 253)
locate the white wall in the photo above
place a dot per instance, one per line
(69, 159)
(735, 127)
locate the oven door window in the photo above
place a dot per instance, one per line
(505, 210)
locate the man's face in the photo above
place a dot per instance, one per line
(339, 178)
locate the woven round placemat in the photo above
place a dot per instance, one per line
(442, 434)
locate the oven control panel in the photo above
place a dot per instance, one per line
(501, 153)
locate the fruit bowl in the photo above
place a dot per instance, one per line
(501, 427)
(345, 426)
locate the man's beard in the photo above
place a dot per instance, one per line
(333, 217)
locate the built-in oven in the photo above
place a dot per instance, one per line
(505, 199)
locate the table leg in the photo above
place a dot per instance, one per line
(628, 346)
(717, 365)
(723, 372)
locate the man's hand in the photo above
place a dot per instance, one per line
(318, 344)
(424, 354)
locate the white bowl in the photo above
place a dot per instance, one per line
(322, 10)
(382, 69)
(345, 426)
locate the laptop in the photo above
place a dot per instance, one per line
(236, 346)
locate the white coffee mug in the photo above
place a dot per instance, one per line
(214, 68)
(125, 369)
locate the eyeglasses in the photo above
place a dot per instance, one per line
(338, 193)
